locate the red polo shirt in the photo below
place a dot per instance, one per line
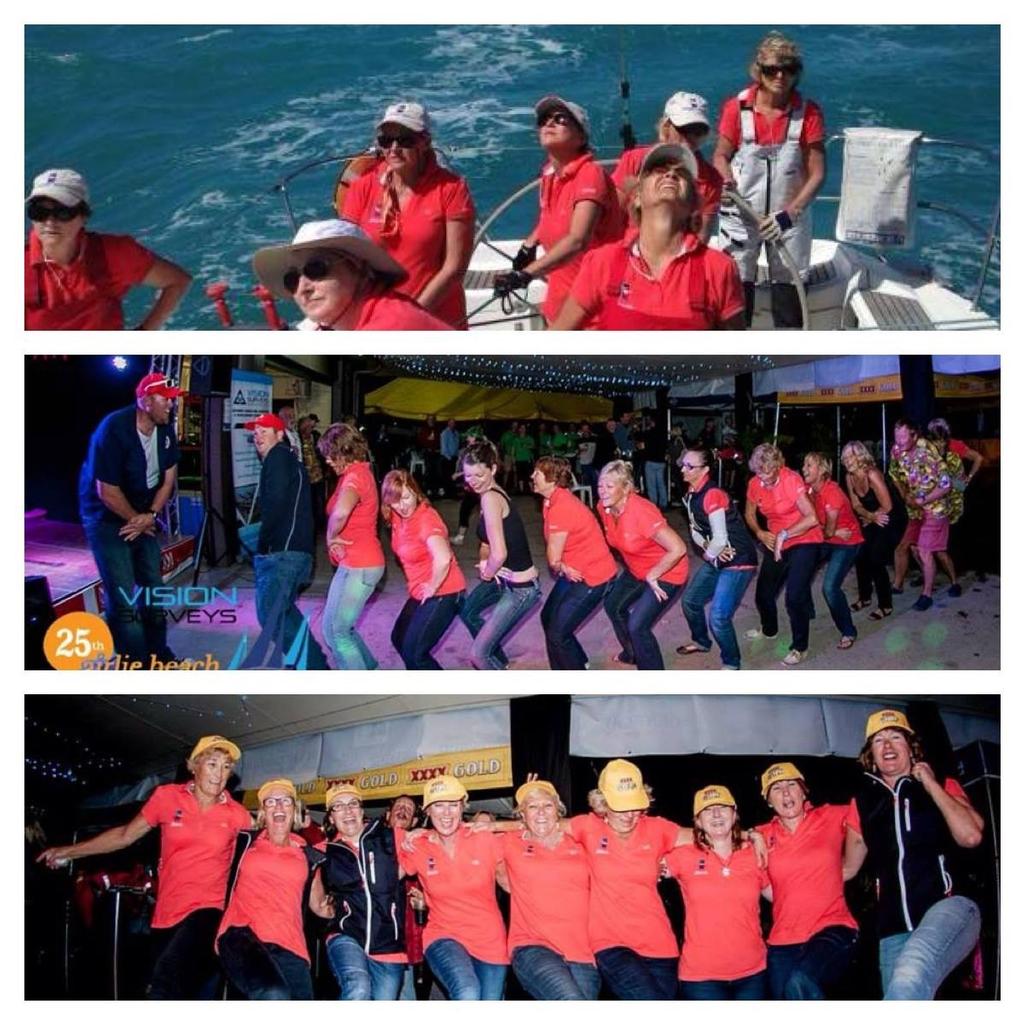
(409, 542)
(770, 130)
(196, 848)
(86, 295)
(805, 867)
(625, 908)
(580, 179)
(709, 181)
(585, 548)
(832, 498)
(722, 936)
(365, 551)
(459, 890)
(394, 311)
(632, 535)
(668, 296)
(778, 505)
(420, 245)
(550, 895)
(268, 892)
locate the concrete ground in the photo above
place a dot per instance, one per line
(956, 633)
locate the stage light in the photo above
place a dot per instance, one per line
(120, 363)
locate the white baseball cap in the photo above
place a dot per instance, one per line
(63, 185)
(413, 116)
(686, 108)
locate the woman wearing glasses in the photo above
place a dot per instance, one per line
(579, 208)
(75, 279)
(198, 823)
(342, 281)
(771, 150)
(417, 211)
(261, 944)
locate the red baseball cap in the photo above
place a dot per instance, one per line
(157, 384)
(267, 419)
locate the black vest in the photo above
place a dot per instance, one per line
(909, 850)
(369, 900)
(518, 557)
(739, 536)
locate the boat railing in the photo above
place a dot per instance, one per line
(990, 232)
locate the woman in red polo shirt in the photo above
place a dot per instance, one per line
(341, 280)
(549, 881)
(723, 955)
(352, 544)
(655, 565)
(457, 866)
(260, 941)
(75, 279)
(771, 150)
(435, 582)
(579, 209)
(578, 557)
(843, 540)
(664, 278)
(417, 211)
(813, 932)
(792, 541)
(198, 824)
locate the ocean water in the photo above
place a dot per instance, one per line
(183, 131)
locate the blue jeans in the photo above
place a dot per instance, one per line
(655, 482)
(463, 976)
(420, 626)
(803, 970)
(350, 590)
(841, 559)
(631, 976)
(278, 578)
(914, 964)
(634, 610)
(724, 588)
(512, 606)
(546, 975)
(138, 631)
(794, 572)
(360, 976)
(754, 986)
(566, 609)
(263, 970)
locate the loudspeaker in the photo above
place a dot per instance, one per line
(38, 617)
(210, 375)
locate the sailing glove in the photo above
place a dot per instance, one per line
(510, 281)
(526, 255)
(774, 225)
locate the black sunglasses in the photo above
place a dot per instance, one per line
(315, 269)
(559, 117)
(40, 210)
(771, 70)
(404, 141)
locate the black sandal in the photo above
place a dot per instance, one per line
(880, 613)
(860, 605)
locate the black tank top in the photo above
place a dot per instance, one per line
(516, 544)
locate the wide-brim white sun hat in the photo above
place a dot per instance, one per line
(272, 262)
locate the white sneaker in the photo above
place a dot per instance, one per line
(459, 537)
(754, 634)
(794, 658)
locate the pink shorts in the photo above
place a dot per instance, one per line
(912, 533)
(934, 534)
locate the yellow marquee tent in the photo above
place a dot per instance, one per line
(414, 398)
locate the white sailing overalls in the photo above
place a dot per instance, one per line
(768, 177)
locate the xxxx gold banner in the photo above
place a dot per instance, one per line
(871, 389)
(483, 768)
(965, 386)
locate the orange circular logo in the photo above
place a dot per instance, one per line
(76, 638)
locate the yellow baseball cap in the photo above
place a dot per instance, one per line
(216, 741)
(443, 787)
(781, 771)
(341, 789)
(889, 718)
(544, 787)
(271, 784)
(622, 786)
(711, 795)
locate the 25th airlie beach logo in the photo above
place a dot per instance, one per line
(83, 640)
